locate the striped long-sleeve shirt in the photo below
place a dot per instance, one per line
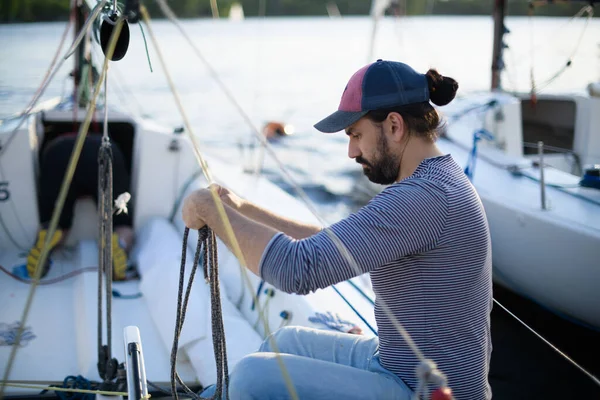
(426, 244)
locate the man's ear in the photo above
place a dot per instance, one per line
(397, 126)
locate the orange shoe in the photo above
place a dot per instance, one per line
(36, 251)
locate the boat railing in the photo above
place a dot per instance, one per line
(540, 146)
(565, 152)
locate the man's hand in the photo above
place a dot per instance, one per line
(197, 203)
(228, 197)
(194, 207)
(252, 237)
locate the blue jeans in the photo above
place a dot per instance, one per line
(321, 365)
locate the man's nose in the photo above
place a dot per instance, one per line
(353, 150)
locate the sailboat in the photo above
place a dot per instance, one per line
(535, 162)
(58, 332)
(60, 340)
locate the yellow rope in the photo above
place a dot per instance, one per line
(246, 280)
(60, 389)
(220, 208)
(83, 129)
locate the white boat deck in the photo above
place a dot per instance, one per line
(63, 316)
(63, 322)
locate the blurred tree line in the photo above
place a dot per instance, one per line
(57, 10)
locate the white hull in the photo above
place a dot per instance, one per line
(555, 265)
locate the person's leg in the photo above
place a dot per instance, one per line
(261, 376)
(321, 344)
(321, 364)
(53, 165)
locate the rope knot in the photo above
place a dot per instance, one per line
(121, 203)
(429, 374)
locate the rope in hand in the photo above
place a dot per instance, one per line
(206, 171)
(211, 275)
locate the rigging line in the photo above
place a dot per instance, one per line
(589, 375)
(83, 129)
(340, 246)
(59, 389)
(548, 41)
(146, 47)
(220, 208)
(548, 81)
(592, 377)
(361, 292)
(363, 319)
(105, 127)
(51, 280)
(84, 30)
(40, 91)
(55, 58)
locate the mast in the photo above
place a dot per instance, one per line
(498, 47)
(378, 8)
(80, 52)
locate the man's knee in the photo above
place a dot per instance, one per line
(278, 339)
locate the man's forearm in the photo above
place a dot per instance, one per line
(251, 236)
(294, 229)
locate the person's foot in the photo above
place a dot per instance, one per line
(36, 251)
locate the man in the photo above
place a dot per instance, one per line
(424, 240)
(54, 162)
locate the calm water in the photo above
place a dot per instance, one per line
(294, 70)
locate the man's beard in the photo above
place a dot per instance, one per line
(384, 169)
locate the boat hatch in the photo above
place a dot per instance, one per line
(551, 121)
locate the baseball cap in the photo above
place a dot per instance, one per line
(382, 84)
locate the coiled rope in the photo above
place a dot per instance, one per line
(210, 266)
